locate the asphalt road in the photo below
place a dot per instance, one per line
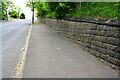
(14, 33)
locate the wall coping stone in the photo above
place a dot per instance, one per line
(109, 22)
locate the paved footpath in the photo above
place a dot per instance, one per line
(52, 56)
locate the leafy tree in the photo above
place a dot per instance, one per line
(3, 10)
(97, 10)
(31, 4)
(42, 9)
(8, 7)
(22, 16)
(14, 14)
(118, 8)
(18, 10)
(4, 5)
(54, 9)
(60, 10)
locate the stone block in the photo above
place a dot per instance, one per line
(102, 50)
(100, 38)
(100, 33)
(108, 28)
(117, 42)
(112, 60)
(100, 27)
(104, 57)
(111, 53)
(111, 40)
(118, 56)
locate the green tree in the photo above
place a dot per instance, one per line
(41, 9)
(13, 14)
(3, 10)
(22, 16)
(60, 10)
(8, 7)
(4, 6)
(18, 10)
(97, 10)
(31, 4)
(54, 9)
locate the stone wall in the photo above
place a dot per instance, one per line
(102, 41)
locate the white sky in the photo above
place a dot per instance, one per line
(22, 5)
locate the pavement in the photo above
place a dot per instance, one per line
(50, 55)
(14, 33)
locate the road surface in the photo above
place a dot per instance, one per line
(14, 33)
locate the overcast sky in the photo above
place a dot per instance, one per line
(22, 4)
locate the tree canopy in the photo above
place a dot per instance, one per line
(7, 7)
(22, 16)
(76, 9)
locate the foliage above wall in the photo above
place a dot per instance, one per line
(75, 9)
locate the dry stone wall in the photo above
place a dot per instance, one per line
(102, 41)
